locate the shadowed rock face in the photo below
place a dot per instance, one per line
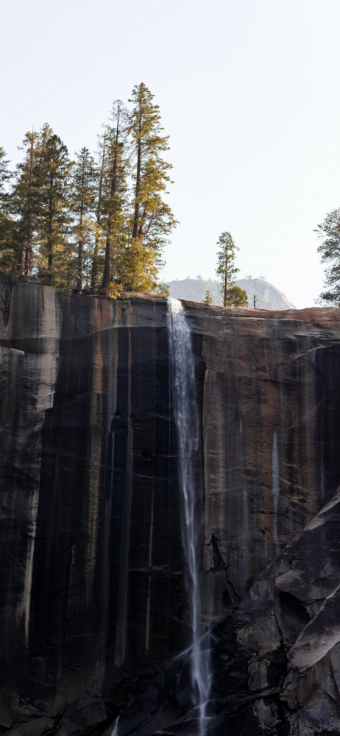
(276, 662)
(93, 602)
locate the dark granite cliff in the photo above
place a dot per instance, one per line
(93, 603)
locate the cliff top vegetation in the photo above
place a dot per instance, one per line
(98, 222)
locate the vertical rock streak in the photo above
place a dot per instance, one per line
(187, 424)
(119, 656)
(147, 637)
(42, 372)
(276, 490)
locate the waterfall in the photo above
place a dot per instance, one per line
(187, 425)
(114, 731)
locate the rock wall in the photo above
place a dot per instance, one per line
(93, 600)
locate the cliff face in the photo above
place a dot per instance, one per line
(93, 600)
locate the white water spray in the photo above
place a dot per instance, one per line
(187, 424)
(114, 731)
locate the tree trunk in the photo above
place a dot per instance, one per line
(107, 276)
(225, 280)
(29, 243)
(80, 251)
(94, 269)
(21, 262)
(49, 242)
(107, 266)
(138, 175)
(136, 217)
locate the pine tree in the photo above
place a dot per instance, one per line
(114, 199)
(329, 234)
(24, 204)
(232, 295)
(83, 204)
(237, 297)
(6, 223)
(53, 217)
(152, 218)
(5, 176)
(98, 210)
(207, 298)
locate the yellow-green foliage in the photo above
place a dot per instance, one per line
(207, 299)
(81, 223)
(236, 297)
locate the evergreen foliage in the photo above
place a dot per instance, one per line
(207, 298)
(100, 224)
(24, 206)
(96, 258)
(6, 222)
(53, 212)
(115, 203)
(237, 297)
(5, 176)
(329, 233)
(233, 296)
(152, 220)
(83, 198)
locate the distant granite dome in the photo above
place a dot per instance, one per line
(268, 296)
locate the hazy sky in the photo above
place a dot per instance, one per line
(249, 93)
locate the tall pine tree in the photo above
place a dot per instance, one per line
(5, 176)
(6, 223)
(53, 217)
(152, 218)
(233, 296)
(24, 204)
(329, 234)
(100, 170)
(83, 204)
(114, 204)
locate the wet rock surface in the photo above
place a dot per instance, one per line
(275, 660)
(93, 606)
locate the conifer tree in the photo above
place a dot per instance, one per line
(152, 218)
(24, 204)
(6, 255)
(100, 170)
(329, 234)
(207, 298)
(232, 295)
(114, 200)
(5, 176)
(53, 217)
(83, 204)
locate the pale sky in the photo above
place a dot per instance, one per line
(249, 93)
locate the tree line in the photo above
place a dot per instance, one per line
(98, 222)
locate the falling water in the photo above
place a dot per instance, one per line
(114, 731)
(187, 424)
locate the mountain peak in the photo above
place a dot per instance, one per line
(268, 296)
